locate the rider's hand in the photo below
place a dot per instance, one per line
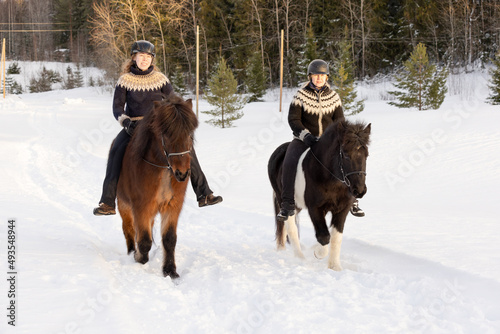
(129, 126)
(310, 140)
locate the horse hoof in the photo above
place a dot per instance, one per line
(280, 247)
(299, 254)
(320, 251)
(336, 267)
(141, 258)
(171, 273)
(323, 239)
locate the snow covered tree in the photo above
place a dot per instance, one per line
(69, 82)
(79, 82)
(13, 87)
(14, 68)
(342, 78)
(44, 81)
(222, 95)
(256, 80)
(420, 85)
(494, 97)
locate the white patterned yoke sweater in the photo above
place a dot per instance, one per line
(136, 92)
(312, 110)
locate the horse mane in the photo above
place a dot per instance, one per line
(172, 117)
(348, 134)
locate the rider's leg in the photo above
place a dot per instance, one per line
(204, 194)
(113, 168)
(293, 153)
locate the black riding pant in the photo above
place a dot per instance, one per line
(114, 166)
(292, 156)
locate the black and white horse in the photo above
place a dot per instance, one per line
(330, 176)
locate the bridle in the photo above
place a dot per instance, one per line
(344, 178)
(167, 155)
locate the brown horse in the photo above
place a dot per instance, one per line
(155, 171)
(330, 176)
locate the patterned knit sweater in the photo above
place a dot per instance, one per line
(311, 111)
(136, 92)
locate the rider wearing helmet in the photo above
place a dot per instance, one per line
(137, 89)
(313, 108)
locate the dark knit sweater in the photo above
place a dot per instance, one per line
(311, 111)
(136, 91)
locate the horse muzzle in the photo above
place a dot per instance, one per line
(180, 176)
(359, 193)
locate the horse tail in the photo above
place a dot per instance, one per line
(280, 225)
(274, 168)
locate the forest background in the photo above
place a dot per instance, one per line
(460, 34)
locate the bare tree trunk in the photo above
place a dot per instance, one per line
(226, 27)
(181, 30)
(261, 37)
(207, 69)
(278, 31)
(363, 38)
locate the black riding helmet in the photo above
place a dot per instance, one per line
(142, 46)
(318, 66)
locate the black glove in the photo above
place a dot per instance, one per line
(129, 126)
(310, 140)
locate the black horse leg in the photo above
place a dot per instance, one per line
(320, 227)
(144, 244)
(169, 240)
(338, 220)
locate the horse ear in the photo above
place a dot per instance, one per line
(190, 102)
(341, 126)
(368, 128)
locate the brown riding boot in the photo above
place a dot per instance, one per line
(104, 210)
(209, 200)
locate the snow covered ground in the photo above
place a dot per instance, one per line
(425, 259)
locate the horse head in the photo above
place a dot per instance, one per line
(354, 141)
(174, 128)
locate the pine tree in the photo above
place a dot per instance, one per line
(256, 80)
(69, 83)
(44, 81)
(14, 68)
(494, 97)
(309, 53)
(79, 81)
(420, 84)
(177, 79)
(222, 95)
(343, 79)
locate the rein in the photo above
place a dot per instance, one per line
(167, 155)
(344, 179)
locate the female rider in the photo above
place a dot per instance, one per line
(313, 108)
(138, 87)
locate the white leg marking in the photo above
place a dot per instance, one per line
(320, 251)
(335, 243)
(293, 234)
(300, 183)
